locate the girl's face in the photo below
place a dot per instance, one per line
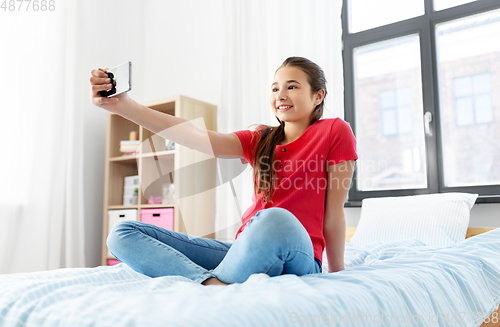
(291, 97)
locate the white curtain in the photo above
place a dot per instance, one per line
(259, 36)
(41, 198)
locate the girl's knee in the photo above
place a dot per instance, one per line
(276, 217)
(116, 234)
(277, 223)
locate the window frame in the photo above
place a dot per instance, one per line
(424, 26)
(397, 109)
(474, 107)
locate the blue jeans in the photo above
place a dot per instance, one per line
(274, 242)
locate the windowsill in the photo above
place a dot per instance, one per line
(480, 200)
(488, 199)
(352, 204)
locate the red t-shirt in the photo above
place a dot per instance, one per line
(301, 173)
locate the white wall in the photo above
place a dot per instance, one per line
(183, 45)
(113, 32)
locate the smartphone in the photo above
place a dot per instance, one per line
(121, 78)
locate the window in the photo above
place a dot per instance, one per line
(472, 98)
(362, 15)
(395, 107)
(419, 95)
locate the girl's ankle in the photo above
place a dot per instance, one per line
(213, 281)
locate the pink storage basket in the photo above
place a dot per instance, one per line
(161, 217)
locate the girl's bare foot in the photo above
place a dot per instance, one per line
(213, 281)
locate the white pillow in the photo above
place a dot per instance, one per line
(435, 219)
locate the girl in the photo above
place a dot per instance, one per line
(302, 173)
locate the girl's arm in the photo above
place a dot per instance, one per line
(339, 180)
(221, 145)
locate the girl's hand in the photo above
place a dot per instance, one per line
(100, 82)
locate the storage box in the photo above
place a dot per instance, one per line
(131, 190)
(112, 262)
(161, 217)
(116, 216)
(130, 200)
(131, 181)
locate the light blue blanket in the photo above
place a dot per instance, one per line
(403, 283)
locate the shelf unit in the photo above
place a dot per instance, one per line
(192, 172)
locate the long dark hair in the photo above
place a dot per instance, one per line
(270, 136)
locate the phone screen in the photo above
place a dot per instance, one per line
(122, 80)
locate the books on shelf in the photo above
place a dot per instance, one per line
(129, 146)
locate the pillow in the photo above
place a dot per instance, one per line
(435, 219)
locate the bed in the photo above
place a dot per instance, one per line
(411, 261)
(386, 284)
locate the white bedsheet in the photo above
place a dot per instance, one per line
(396, 284)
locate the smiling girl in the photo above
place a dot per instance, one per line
(302, 172)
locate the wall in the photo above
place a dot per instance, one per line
(113, 33)
(183, 45)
